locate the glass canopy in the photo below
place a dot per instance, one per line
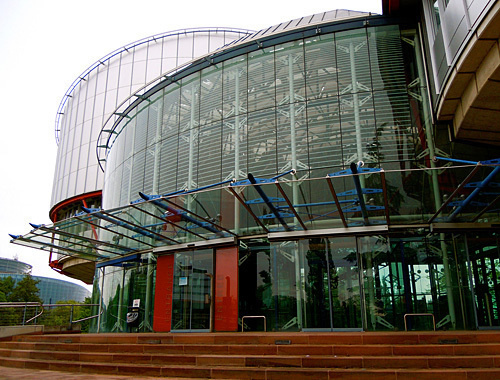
(339, 202)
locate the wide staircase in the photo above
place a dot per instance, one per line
(290, 356)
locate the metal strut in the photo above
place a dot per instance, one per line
(359, 190)
(183, 216)
(268, 202)
(121, 223)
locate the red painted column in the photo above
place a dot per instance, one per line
(162, 317)
(226, 289)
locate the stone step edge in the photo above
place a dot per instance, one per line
(27, 365)
(208, 346)
(195, 363)
(254, 356)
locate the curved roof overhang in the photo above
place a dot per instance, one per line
(470, 96)
(127, 48)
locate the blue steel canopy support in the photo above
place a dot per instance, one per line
(247, 207)
(77, 217)
(290, 205)
(359, 190)
(355, 170)
(158, 202)
(386, 201)
(472, 195)
(127, 225)
(206, 222)
(479, 186)
(268, 202)
(464, 182)
(164, 219)
(494, 202)
(337, 202)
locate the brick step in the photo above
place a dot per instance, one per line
(304, 361)
(273, 356)
(298, 349)
(345, 338)
(263, 373)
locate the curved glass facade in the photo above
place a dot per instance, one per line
(95, 95)
(315, 105)
(290, 181)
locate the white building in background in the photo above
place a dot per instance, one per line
(91, 100)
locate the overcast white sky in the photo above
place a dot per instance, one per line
(46, 44)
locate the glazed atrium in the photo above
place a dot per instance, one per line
(291, 179)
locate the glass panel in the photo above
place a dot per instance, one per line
(484, 270)
(268, 286)
(181, 301)
(386, 59)
(193, 272)
(344, 283)
(290, 74)
(261, 80)
(321, 67)
(353, 62)
(209, 147)
(201, 278)
(292, 137)
(381, 282)
(316, 278)
(262, 143)
(211, 95)
(324, 134)
(409, 277)
(331, 284)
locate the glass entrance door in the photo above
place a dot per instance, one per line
(330, 277)
(484, 255)
(193, 274)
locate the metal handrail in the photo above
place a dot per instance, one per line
(71, 321)
(43, 306)
(92, 316)
(24, 305)
(253, 316)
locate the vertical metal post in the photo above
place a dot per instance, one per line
(129, 189)
(328, 271)
(191, 146)
(435, 183)
(295, 190)
(100, 300)
(118, 324)
(71, 317)
(366, 246)
(237, 146)
(157, 149)
(293, 136)
(149, 293)
(24, 313)
(471, 279)
(355, 103)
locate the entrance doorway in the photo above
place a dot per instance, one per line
(484, 275)
(311, 284)
(330, 278)
(192, 290)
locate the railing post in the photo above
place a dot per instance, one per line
(24, 314)
(71, 318)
